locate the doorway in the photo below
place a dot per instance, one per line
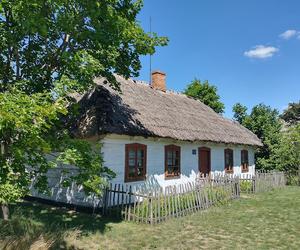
(204, 160)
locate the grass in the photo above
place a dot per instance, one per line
(262, 221)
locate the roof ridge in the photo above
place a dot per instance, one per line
(168, 91)
(171, 91)
(142, 82)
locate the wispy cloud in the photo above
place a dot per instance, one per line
(288, 34)
(261, 51)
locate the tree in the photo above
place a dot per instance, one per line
(292, 114)
(281, 149)
(23, 121)
(240, 112)
(44, 43)
(265, 123)
(287, 154)
(28, 134)
(49, 49)
(205, 93)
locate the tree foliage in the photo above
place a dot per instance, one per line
(49, 49)
(263, 121)
(27, 138)
(239, 112)
(292, 114)
(280, 147)
(286, 156)
(70, 42)
(205, 93)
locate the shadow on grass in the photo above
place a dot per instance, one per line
(58, 218)
(33, 223)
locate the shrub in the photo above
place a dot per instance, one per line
(292, 178)
(246, 185)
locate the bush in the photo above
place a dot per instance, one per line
(246, 186)
(292, 178)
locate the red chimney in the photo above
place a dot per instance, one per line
(159, 80)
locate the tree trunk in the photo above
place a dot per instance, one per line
(5, 211)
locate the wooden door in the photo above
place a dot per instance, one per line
(204, 160)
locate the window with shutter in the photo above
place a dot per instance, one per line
(228, 155)
(244, 161)
(172, 161)
(135, 162)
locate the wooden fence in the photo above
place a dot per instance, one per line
(262, 181)
(268, 180)
(157, 204)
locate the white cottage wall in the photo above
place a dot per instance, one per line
(113, 150)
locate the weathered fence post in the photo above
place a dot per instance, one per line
(253, 184)
(104, 201)
(151, 210)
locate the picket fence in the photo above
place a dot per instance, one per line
(262, 181)
(159, 204)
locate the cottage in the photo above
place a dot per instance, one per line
(149, 133)
(153, 137)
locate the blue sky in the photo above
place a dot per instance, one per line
(239, 46)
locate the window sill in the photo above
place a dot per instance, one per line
(172, 177)
(135, 180)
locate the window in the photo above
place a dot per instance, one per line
(135, 162)
(228, 160)
(244, 160)
(172, 161)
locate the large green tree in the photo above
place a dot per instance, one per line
(48, 49)
(291, 115)
(287, 154)
(205, 93)
(265, 123)
(46, 42)
(281, 146)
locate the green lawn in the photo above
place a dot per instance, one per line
(262, 221)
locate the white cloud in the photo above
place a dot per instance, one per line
(261, 51)
(289, 34)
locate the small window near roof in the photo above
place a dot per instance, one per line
(228, 155)
(172, 161)
(244, 160)
(135, 162)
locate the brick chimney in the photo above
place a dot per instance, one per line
(159, 80)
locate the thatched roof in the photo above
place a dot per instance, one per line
(143, 111)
